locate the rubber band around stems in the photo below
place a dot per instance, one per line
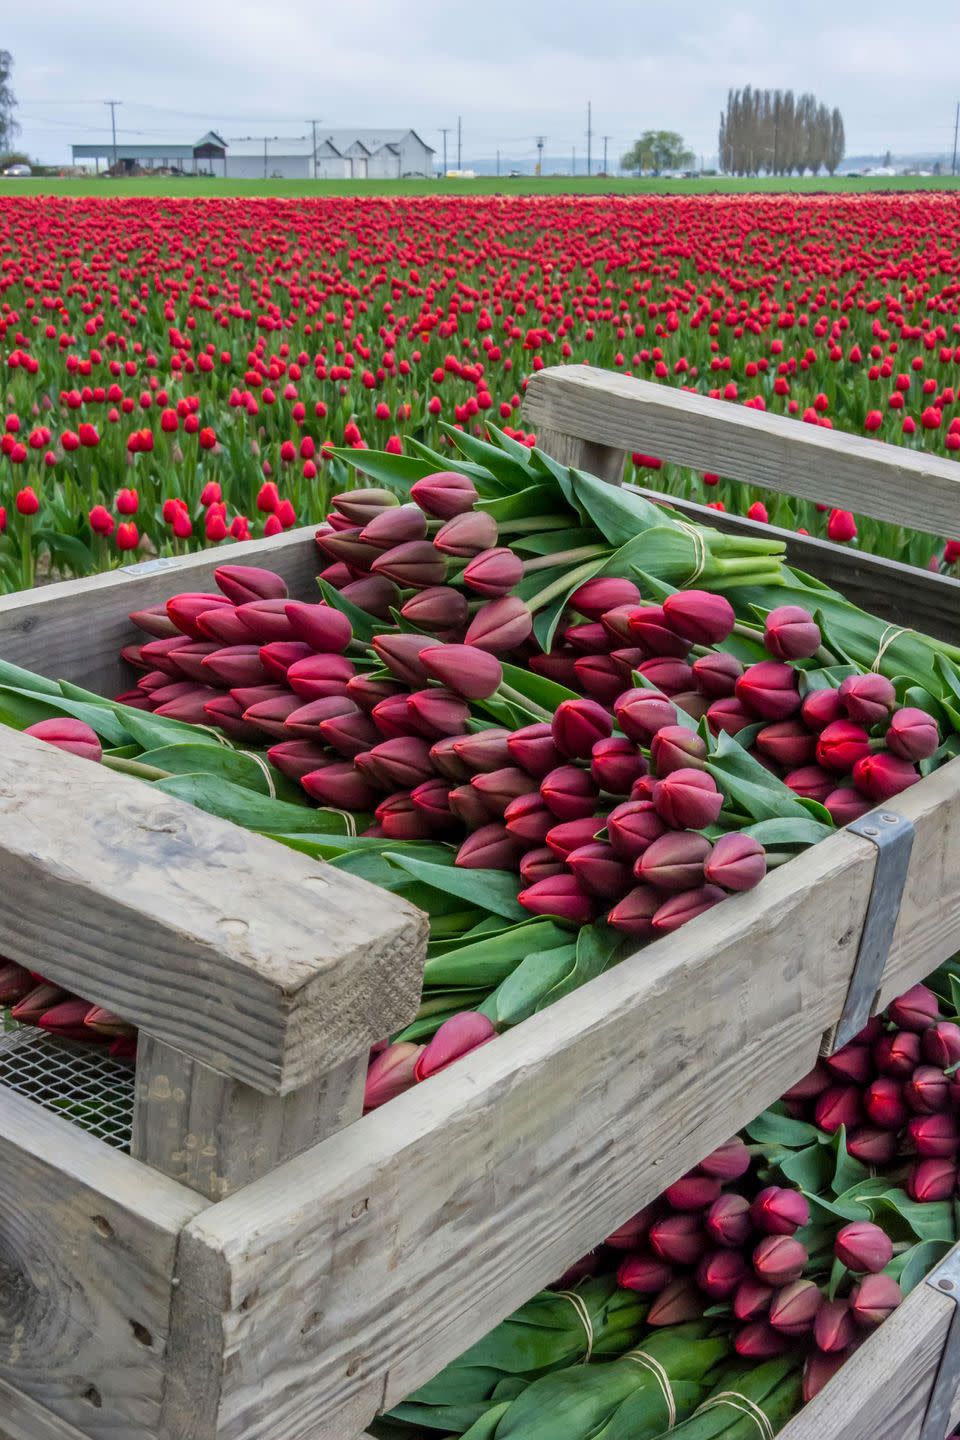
(259, 760)
(701, 549)
(748, 1407)
(889, 636)
(648, 1362)
(584, 1315)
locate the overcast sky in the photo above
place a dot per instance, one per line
(511, 68)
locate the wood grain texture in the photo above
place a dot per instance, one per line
(264, 964)
(74, 630)
(88, 1242)
(888, 482)
(600, 460)
(472, 1193)
(23, 1419)
(215, 1135)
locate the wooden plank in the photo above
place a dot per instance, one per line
(473, 1193)
(88, 1241)
(600, 460)
(215, 1134)
(23, 1419)
(884, 587)
(867, 476)
(74, 630)
(264, 964)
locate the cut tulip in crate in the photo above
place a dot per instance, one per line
(265, 1264)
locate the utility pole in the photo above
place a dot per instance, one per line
(573, 161)
(113, 124)
(314, 123)
(444, 131)
(459, 143)
(265, 138)
(589, 136)
(956, 130)
(540, 143)
(498, 164)
(605, 139)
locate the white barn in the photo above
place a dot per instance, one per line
(372, 155)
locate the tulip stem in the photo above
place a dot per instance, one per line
(514, 697)
(535, 524)
(134, 767)
(565, 557)
(563, 585)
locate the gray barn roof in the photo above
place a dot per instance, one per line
(371, 140)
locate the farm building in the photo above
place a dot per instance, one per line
(372, 155)
(208, 155)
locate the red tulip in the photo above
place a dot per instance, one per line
(485, 750)
(296, 758)
(884, 1104)
(729, 1161)
(699, 616)
(811, 782)
(867, 699)
(717, 674)
(881, 775)
(649, 627)
(934, 1137)
(777, 1211)
(632, 826)
(769, 689)
(791, 633)
(927, 1091)
(559, 895)
(399, 819)
(736, 863)
(912, 734)
(728, 1221)
(493, 572)
(641, 713)
(928, 1180)
(302, 721)
(373, 593)
(403, 655)
(752, 1298)
(686, 906)
(538, 864)
(184, 610)
(340, 785)
(644, 1274)
(674, 862)
(267, 620)
(818, 1370)
(840, 1105)
(467, 534)
(759, 1341)
(470, 808)
(241, 583)
(941, 1044)
(599, 870)
(692, 1192)
(720, 1272)
(464, 669)
(455, 1038)
(728, 716)
(279, 656)
(66, 734)
(438, 607)
(444, 494)
(687, 799)
(794, 1308)
(787, 742)
(872, 1147)
(633, 915)
(391, 1073)
(876, 1297)
(915, 1009)
(678, 1238)
(569, 792)
(578, 725)
(821, 708)
(668, 675)
(779, 1259)
(499, 787)
(532, 748)
(594, 597)
(862, 1245)
(437, 712)
(500, 625)
(833, 1328)
(615, 763)
(395, 526)
(680, 1301)
(674, 747)
(846, 804)
(841, 745)
(413, 565)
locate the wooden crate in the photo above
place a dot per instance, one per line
(264, 1269)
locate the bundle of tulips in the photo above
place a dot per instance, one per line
(752, 1278)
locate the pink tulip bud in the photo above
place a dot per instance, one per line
(436, 711)
(184, 609)
(912, 734)
(571, 834)
(686, 906)
(578, 725)
(559, 666)
(467, 534)
(728, 1221)
(455, 1038)
(267, 620)
(360, 506)
(532, 748)
(404, 761)
(788, 743)
(223, 624)
(729, 1161)
(302, 721)
(821, 708)
(678, 1302)
(391, 1073)
(846, 804)
(317, 677)
(493, 572)
(941, 1044)
(833, 1327)
(528, 819)
(224, 712)
(67, 1020)
(280, 655)
(159, 653)
(692, 703)
(340, 785)
(759, 1341)
(445, 760)
(600, 871)
(66, 734)
(867, 699)
(562, 896)
(737, 862)
(594, 597)
(793, 1309)
(679, 1239)
(716, 674)
(235, 665)
(669, 676)
(872, 1147)
(615, 763)
(539, 864)
(719, 1273)
(499, 787)
(616, 623)
(853, 1063)
(345, 546)
(884, 1103)
(811, 782)
(40, 998)
(728, 716)
(600, 677)
(15, 983)
(818, 1370)
(323, 628)
(934, 1137)
(644, 1274)
(927, 1091)
(350, 734)
(569, 792)
(648, 626)
(485, 750)
(674, 862)
(367, 692)
(881, 775)
(188, 706)
(915, 1009)
(444, 494)
(438, 607)
(779, 1259)
(587, 638)
(687, 800)
(769, 689)
(500, 625)
(631, 1235)
(700, 616)
(633, 826)
(155, 621)
(432, 800)
(777, 1211)
(393, 716)
(840, 1105)
(674, 747)
(633, 915)
(692, 1192)
(928, 1180)
(241, 583)
(876, 1297)
(413, 565)
(752, 1298)
(400, 819)
(841, 745)
(395, 526)
(403, 655)
(373, 593)
(296, 758)
(468, 805)
(791, 633)
(641, 713)
(813, 1084)
(467, 671)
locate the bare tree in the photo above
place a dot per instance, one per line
(9, 129)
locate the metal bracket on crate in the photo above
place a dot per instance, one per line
(946, 1280)
(892, 834)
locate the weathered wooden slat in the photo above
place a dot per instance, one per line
(23, 1419)
(264, 964)
(600, 460)
(215, 1134)
(473, 1193)
(852, 471)
(88, 1241)
(74, 630)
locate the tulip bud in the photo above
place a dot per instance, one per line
(404, 761)
(187, 660)
(615, 763)
(155, 621)
(345, 547)
(941, 1044)
(485, 750)
(934, 1137)
(375, 594)
(325, 629)
(66, 734)
(679, 1238)
(340, 785)
(616, 623)
(395, 526)
(493, 572)
(928, 1180)
(296, 758)
(528, 819)
(841, 745)
(36, 1002)
(445, 760)
(674, 862)
(467, 534)
(644, 1274)
(700, 616)
(594, 597)
(787, 742)
(777, 1211)
(393, 716)
(915, 1009)
(235, 665)
(184, 610)
(578, 725)
(539, 864)
(674, 747)
(769, 689)
(189, 706)
(821, 708)
(720, 1272)
(399, 819)
(833, 1328)
(455, 1038)
(67, 1020)
(633, 915)
(687, 799)
(444, 494)
(267, 620)
(641, 713)
(649, 627)
(222, 624)
(884, 1104)
(716, 674)
(532, 748)
(912, 734)
(569, 792)
(159, 653)
(752, 1298)
(692, 1192)
(737, 862)
(927, 1091)
(881, 775)
(587, 639)
(811, 782)
(241, 583)
(600, 677)
(840, 1105)
(349, 734)
(225, 712)
(437, 712)
(669, 676)
(846, 804)
(559, 666)
(302, 722)
(432, 800)
(728, 1221)
(500, 625)
(791, 633)
(867, 699)
(560, 895)
(15, 983)
(464, 669)
(872, 1147)
(632, 826)
(686, 906)
(876, 1297)
(729, 1161)
(632, 1234)
(469, 807)
(599, 870)
(680, 1301)
(280, 655)
(413, 565)
(439, 607)
(853, 1063)
(818, 1370)
(794, 1308)
(779, 1259)
(499, 787)
(758, 1341)
(367, 692)
(403, 655)
(391, 1073)
(643, 788)
(360, 506)
(728, 716)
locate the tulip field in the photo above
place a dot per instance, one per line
(181, 374)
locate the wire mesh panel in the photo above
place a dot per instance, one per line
(80, 1082)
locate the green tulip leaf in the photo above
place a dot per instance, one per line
(493, 890)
